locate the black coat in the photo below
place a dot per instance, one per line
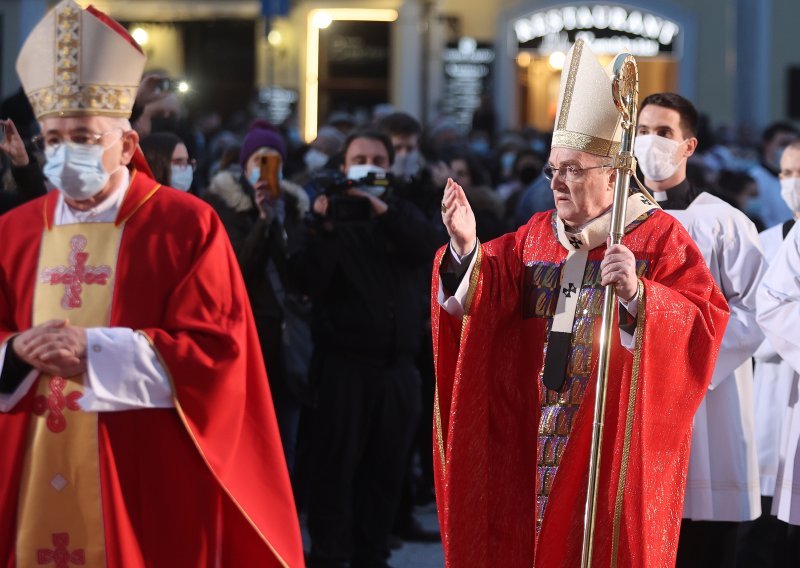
(363, 280)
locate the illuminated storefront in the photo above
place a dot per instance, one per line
(541, 38)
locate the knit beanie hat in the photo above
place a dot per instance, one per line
(262, 134)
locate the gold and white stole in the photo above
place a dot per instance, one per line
(593, 234)
(60, 513)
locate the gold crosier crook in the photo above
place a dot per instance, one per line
(625, 89)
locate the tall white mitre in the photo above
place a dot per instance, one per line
(587, 118)
(80, 62)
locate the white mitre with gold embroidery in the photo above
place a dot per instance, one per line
(80, 62)
(587, 118)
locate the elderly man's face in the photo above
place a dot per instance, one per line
(584, 194)
(116, 138)
(119, 143)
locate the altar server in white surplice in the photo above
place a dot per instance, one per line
(779, 317)
(763, 541)
(722, 487)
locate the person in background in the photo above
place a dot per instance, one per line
(342, 121)
(773, 539)
(318, 155)
(361, 271)
(739, 189)
(414, 182)
(722, 480)
(527, 166)
(404, 131)
(768, 205)
(467, 170)
(168, 159)
(263, 226)
(25, 171)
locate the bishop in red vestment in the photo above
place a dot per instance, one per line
(516, 323)
(165, 453)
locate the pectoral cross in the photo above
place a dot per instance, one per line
(568, 291)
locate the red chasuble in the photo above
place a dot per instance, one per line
(488, 441)
(205, 481)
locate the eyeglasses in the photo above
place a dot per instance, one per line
(568, 173)
(52, 141)
(184, 163)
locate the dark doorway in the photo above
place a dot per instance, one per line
(220, 63)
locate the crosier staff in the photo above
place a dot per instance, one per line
(625, 88)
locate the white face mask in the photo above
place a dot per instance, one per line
(181, 177)
(656, 156)
(77, 169)
(360, 171)
(255, 175)
(407, 165)
(790, 191)
(315, 160)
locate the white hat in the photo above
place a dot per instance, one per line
(80, 62)
(587, 118)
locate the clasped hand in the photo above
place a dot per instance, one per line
(54, 347)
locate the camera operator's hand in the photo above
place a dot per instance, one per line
(150, 90)
(12, 144)
(321, 205)
(379, 207)
(458, 218)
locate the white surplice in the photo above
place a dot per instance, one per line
(779, 317)
(723, 482)
(773, 382)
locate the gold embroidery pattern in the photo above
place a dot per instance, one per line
(626, 446)
(560, 408)
(570, 86)
(438, 417)
(67, 97)
(68, 37)
(86, 100)
(540, 289)
(584, 142)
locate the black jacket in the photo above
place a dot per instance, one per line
(363, 280)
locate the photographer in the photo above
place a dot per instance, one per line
(25, 172)
(361, 273)
(263, 218)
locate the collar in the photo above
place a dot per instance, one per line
(677, 197)
(595, 232)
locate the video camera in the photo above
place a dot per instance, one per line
(344, 208)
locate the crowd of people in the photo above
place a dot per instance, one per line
(336, 239)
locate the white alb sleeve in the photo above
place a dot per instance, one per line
(454, 305)
(123, 372)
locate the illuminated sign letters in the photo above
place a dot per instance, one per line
(608, 28)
